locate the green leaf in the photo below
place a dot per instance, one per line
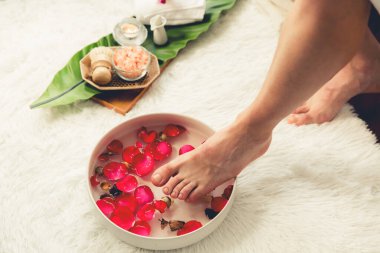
(178, 36)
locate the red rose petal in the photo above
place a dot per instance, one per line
(141, 228)
(189, 226)
(160, 205)
(171, 130)
(181, 129)
(159, 150)
(129, 153)
(150, 148)
(227, 192)
(103, 157)
(218, 203)
(141, 131)
(115, 170)
(143, 164)
(139, 144)
(105, 206)
(94, 181)
(123, 217)
(143, 134)
(163, 149)
(143, 194)
(115, 147)
(185, 148)
(146, 213)
(128, 201)
(150, 137)
(127, 184)
(109, 199)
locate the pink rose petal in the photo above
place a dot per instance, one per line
(189, 226)
(143, 194)
(143, 164)
(185, 148)
(141, 228)
(123, 217)
(105, 206)
(129, 153)
(128, 201)
(115, 170)
(115, 147)
(160, 205)
(127, 184)
(146, 212)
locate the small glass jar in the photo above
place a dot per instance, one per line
(131, 62)
(130, 32)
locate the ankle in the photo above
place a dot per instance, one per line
(251, 130)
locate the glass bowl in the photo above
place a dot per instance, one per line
(129, 63)
(130, 32)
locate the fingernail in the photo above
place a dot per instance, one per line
(157, 178)
(180, 196)
(166, 190)
(174, 194)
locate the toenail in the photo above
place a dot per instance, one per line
(157, 178)
(166, 190)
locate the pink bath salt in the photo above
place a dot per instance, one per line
(131, 59)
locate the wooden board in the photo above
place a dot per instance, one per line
(122, 101)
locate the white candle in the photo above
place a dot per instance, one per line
(129, 30)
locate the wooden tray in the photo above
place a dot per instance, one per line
(122, 101)
(117, 83)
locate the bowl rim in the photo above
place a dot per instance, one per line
(229, 203)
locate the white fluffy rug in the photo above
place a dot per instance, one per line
(316, 190)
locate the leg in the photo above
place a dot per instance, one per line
(318, 39)
(360, 75)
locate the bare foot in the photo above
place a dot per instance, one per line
(222, 157)
(360, 75)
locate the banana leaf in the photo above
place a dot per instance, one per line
(68, 80)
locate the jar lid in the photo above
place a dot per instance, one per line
(130, 32)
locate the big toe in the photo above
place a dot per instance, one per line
(300, 119)
(162, 174)
(301, 109)
(197, 193)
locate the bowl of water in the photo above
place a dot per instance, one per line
(130, 206)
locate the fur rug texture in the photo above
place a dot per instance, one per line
(316, 190)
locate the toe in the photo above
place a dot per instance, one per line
(184, 193)
(171, 184)
(291, 119)
(177, 189)
(301, 109)
(303, 119)
(197, 193)
(162, 174)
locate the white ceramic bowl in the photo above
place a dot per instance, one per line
(156, 243)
